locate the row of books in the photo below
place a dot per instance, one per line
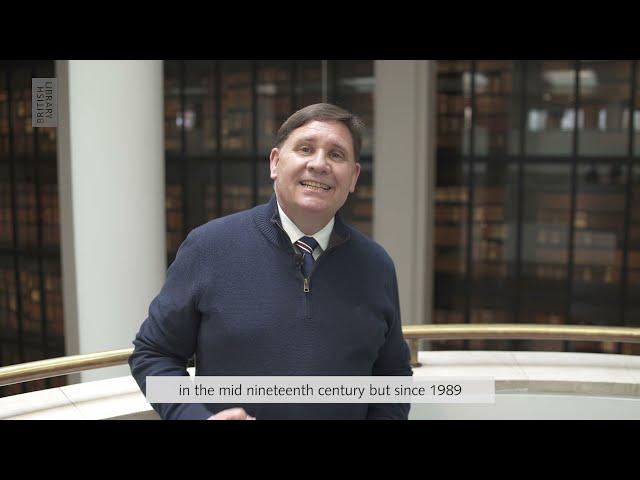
(551, 201)
(31, 292)
(211, 201)
(492, 143)
(361, 209)
(451, 214)
(587, 274)
(11, 356)
(274, 74)
(491, 105)
(582, 220)
(588, 256)
(274, 105)
(556, 237)
(453, 66)
(174, 239)
(452, 194)
(174, 216)
(584, 201)
(455, 264)
(451, 126)
(239, 79)
(496, 83)
(457, 235)
(236, 198)
(27, 217)
(451, 104)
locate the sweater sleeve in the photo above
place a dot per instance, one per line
(167, 338)
(393, 359)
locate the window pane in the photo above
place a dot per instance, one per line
(632, 313)
(6, 218)
(174, 210)
(50, 212)
(172, 107)
(495, 211)
(636, 113)
(603, 120)
(497, 108)
(356, 83)
(358, 209)
(545, 248)
(202, 190)
(265, 184)
(21, 113)
(599, 230)
(452, 195)
(550, 107)
(236, 112)
(53, 304)
(274, 101)
(8, 299)
(237, 193)
(26, 212)
(454, 106)
(30, 297)
(200, 107)
(308, 83)
(4, 117)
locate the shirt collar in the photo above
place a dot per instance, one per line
(322, 236)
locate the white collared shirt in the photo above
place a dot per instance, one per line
(295, 234)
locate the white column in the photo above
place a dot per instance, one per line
(111, 183)
(404, 178)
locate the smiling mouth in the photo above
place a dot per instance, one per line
(316, 186)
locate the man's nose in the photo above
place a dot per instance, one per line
(319, 161)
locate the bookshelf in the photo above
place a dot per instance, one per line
(217, 159)
(536, 197)
(31, 315)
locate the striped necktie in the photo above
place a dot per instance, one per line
(307, 245)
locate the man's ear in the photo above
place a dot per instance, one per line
(274, 157)
(354, 180)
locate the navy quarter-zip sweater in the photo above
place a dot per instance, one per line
(235, 297)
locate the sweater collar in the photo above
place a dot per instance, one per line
(267, 220)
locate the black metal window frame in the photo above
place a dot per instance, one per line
(38, 160)
(254, 157)
(573, 160)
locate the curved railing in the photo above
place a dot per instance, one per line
(65, 365)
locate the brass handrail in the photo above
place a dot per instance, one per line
(64, 365)
(515, 331)
(53, 367)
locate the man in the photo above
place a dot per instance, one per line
(286, 288)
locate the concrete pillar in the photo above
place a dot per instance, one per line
(404, 178)
(111, 183)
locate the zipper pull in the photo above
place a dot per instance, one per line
(306, 285)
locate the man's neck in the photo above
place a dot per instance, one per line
(308, 224)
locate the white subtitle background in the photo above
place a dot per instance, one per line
(320, 389)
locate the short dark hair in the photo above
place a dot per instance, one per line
(323, 112)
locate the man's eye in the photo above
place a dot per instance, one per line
(305, 149)
(337, 155)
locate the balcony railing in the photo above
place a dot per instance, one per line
(413, 333)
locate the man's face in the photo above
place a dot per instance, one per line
(315, 169)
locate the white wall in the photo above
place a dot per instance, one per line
(404, 178)
(111, 182)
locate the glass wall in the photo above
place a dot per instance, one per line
(31, 317)
(221, 119)
(537, 168)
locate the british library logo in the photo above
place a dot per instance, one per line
(44, 102)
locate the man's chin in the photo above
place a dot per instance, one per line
(315, 207)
